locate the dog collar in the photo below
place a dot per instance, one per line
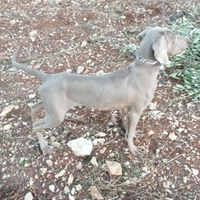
(147, 61)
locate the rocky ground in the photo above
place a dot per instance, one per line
(89, 37)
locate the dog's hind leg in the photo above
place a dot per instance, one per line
(50, 120)
(56, 106)
(35, 109)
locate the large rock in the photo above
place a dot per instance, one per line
(81, 146)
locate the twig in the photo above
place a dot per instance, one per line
(107, 142)
(139, 181)
(174, 158)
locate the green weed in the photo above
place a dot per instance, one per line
(188, 63)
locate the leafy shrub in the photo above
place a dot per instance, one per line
(189, 71)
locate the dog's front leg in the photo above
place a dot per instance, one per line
(132, 118)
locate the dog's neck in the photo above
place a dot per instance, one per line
(146, 55)
(147, 61)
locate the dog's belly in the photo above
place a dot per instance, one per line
(111, 107)
(110, 102)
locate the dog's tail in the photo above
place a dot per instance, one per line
(40, 75)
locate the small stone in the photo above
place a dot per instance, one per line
(16, 107)
(152, 106)
(112, 155)
(79, 165)
(43, 170)
(66, 189)
(102, 151)
(71, 197)
(52, 139)
(180, 130)
(100, 134)
(98, 141)
(95, 193)
(12, 22)
(52, 188)
(5, 176)
(100, 72)
(28, 196)
(166, 184)
(180, 105)
(93, 161)
(7, 127)
(172, 136)
(31, 181)
(189, 105)
(80, 70)
(84, 44)
(61, 173)
(78, 187)
(70, 179)
(7, 110)
(115, 129)
(195, 171)
(165, 133)
(73, 190)
(49, 163)
(150, 132)
(176, 123)
(56, 144)
(26, 164)
(33, 35)
(89, 61)
(185, 179)
(31, 96)
(114, 168)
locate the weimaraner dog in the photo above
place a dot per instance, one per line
(131, 88)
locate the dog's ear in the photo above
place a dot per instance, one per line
(160, 47)
(170, 36)
(141, 35)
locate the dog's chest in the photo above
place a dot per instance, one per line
(149, 92)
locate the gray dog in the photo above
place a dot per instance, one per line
(131, 88)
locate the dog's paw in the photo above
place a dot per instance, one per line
(135, 151)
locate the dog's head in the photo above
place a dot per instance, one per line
(163, 43)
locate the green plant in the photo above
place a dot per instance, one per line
(188, 63)
(130, 48)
